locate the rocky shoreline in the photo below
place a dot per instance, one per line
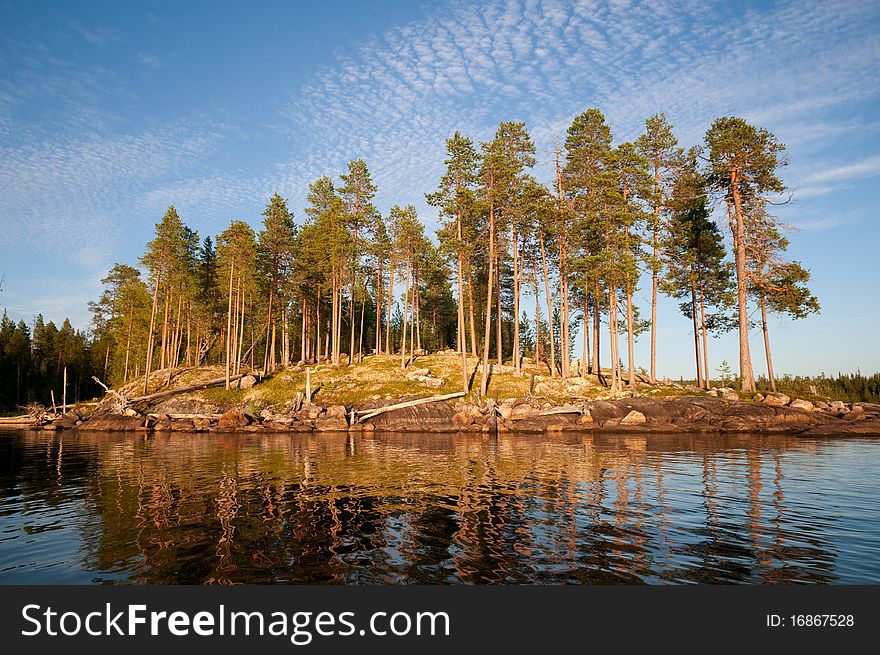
(775, 414)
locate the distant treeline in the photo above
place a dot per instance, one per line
(32, 363)
(852, 387)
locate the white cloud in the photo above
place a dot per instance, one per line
(865, 168)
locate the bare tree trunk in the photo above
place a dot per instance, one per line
(361, 337)
(586, 336)
(127, 346)
(517, 366)
(405, 310)
(462, 338)
(655, 276)
(417, 314)
(268, 328)
(630, 347)
(747, 378)
(612, 342)
(549, 305)
(537, 315)
(390, 303)
(767, 343)
(379, 308)
(238, 357)
(318, 327)
(471, 313)
(229, 322)
(705, 336)
(696, 336)
(498, 344)
(163, 353)
(597, 326)
(484, 380)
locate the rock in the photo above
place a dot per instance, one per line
(112, 423)
(462, 418)
(523, 410)
(66, 421)
(419, 372)
(182, 425)
(331, 424)
(336, 411)
(728, 394)
(633, 418)
(542, 387)
(800, 403)
(129, 412)
(822, 405)
(856, 413)
(585, 418)
(266, 413)
(758, 397)
(775, 399)
(201, 424)
(712, 392)
(837, 405)
(233, 420)
(247, 382)
(310, 412)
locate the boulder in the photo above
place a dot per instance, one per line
(542, 387)
(775, 399)
(712, 392)
(112, 423)
(247, 382)
(335, 411)
(728, 394)
(633, 418)
(800, 403)
(419, 372)
(233, 420)
(331, 424)
(758, 397)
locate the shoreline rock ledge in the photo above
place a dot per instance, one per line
(682, 414)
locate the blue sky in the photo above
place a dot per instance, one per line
(109, 112)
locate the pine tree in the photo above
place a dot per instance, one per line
(455, 198)
(658, 146)
(743, 161)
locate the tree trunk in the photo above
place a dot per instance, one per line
(549, 305)
(462, 339)
(471, 313)
(597, 327)
(405, 310)
(390, 303)
(266, 368)
(612, 338)
(747, 378)
(767, 343)
(696, 336)
(586, 336)
(654, 276)
(484, 379)
(498, 339)
(228, 322)
(705, 336)
(630, 347)
(517, 367)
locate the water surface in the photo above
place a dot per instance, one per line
(427, 508)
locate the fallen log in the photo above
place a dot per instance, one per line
(187, 416)
(17, 420)
(216, 382)
(567, 409)
(370, 413)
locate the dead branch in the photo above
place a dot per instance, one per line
(370, 413)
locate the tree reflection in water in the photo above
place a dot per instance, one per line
(398, 508)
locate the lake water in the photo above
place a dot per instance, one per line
(420, 508)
